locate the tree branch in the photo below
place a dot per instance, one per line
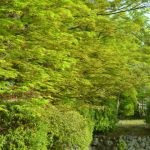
(116, 12)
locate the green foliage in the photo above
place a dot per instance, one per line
(68, 50)
(50, 49)
(104, 118)
(128, 103)
(143, 97)
(34, 125)
(70, 129)
(147, 117)
(122, 145)
(2, 141)
(22, 126)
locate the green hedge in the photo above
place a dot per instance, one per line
(69, 128)
(41, 126)
(22, 126)
(38, 125)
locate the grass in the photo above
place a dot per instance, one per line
(131, 127)
(132, 123)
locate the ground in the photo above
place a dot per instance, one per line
(131, 127)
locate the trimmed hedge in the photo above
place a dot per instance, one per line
(40, 126)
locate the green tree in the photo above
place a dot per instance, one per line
(77, 53)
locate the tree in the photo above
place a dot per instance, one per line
(74, 52)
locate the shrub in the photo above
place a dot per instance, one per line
(70, 129)
(103, 117)
(34, 126)
(148, 113)
(22, 126)
(122, 145)
(128, 102)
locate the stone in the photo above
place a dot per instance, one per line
(147, 146)
(93, 148)
(110, 143)
(143, 144)
(139, 139)
(134, 142)
(148, 138)
(131, 148)
(95, 142)
(137, 145)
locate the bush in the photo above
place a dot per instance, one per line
(128, 103)
(148, 113)
(22, 126)
(104, 117)
(70, 129)
(34, 126)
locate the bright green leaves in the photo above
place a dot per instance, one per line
(52, 41)
(38, 125)
(128, 102)
(59, 50)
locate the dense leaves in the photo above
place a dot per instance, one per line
(37, 125)
(82, 56)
